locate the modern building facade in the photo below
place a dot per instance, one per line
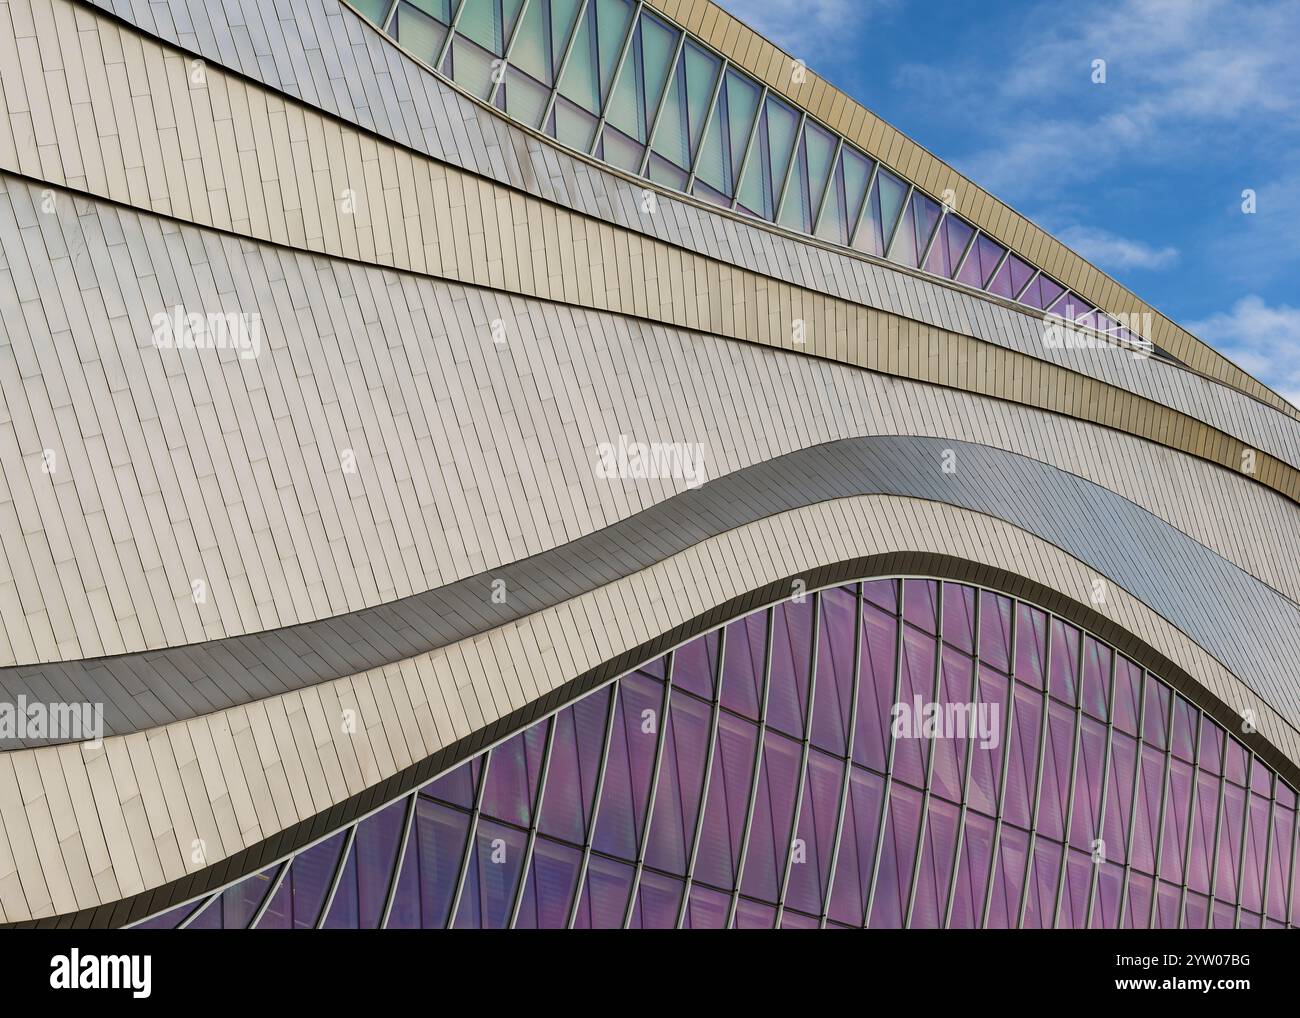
(553, 463)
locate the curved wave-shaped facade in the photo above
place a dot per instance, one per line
(510, 463)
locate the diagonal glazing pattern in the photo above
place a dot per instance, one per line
(892, 753)
(615, 80)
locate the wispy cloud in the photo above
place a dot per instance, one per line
(809, 30)
(1109, 251)
(1263, 340)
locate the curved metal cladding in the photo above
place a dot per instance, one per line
(530, 462)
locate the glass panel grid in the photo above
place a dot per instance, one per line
(738, 823)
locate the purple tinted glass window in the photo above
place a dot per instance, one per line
(658, 668)
(791, 920)
(1137, 915)
(773, 821)
(575, 764)
(912, 750)
(168, 920)
(959, 616)
(1224, 917)
(1155, 723)
(695, 663)
(956, 690)
(875, 687)
(926, 215)
(1073, 912)
(431, 867)
(1110, 883)
(604, 895)
(707, 909)
(1023, 765)
(1096, 678)
(1230, 830)
(457, 786)
(995, 631)
(1146, 815)
(1119, 796)
(753, 915)
(1057, 759)
(625, 795)
(920, 606)
(548, 891)
(1177, 816)
(1184, 730)
(934, 872)
(1203, 820)
(1166, 917)
(981, 262)
(495, 866)
(810, 864)
(236, 906)
(849, 889)
(1252, 862)
(833, 690)
(1279, 863)
(1197, 912)
(681, 781)
(1031, 646)
(1040, 890)
(742, 670)
(1012, 277)
(972, 873)
(363, 889)
(897, 854)
(1235, 762)
(513, 772)
(658, 900)
(728, 802)
(787, 694)
(1064, 670)
(1086, 824)
(1261, 779)
(1128, 695)
(882, 593)
(298, 901)
(986, 756)
(1008, 879)
(1211, 749)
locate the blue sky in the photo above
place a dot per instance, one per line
(1123, 172)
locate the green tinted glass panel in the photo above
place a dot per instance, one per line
(522, 98)
(808, 180)
(848, 186)
(372, 9)
(539, 46)
(902, 248)
(595, 53)
(641, 82)
(687, 102)
(770, 158)
(728, 132)
(481, 21)
(418, 32)
(892, 191)
(470, 66)
(440, 9)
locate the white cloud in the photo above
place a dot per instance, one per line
(1110, 251)
(1262, 340)
(809, 30)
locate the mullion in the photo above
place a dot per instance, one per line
(845, 779)
(1028, 283)
(509, 47)
(1138, 742)
(1107, 762)
(534, 820)
(1076, 752)
(803, 757)
(714, 717)
(623, 51)
(385, 23)
(791, 167)
(403, 842)
(611, 712)
(451, 34)
(206, 903)
(861, 214)
(829, 186)
(660, 738)
(934, 238)
(970, 759)
(758, 763)
(966, 253)
(1046, 700)
(1290, 865)
(889, 759)
(475, 813)
(1268, 851)
(929, 764)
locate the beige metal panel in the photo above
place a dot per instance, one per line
(462, 461)
(551, 647)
